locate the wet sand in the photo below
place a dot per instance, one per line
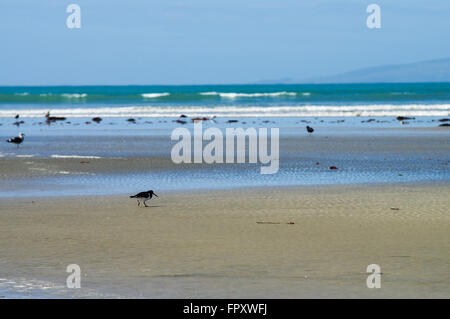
(209, 244)
(109, 165)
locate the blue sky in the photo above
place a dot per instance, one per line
(211, 41)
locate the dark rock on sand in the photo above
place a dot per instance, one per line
(402, 118)
(195, 119)
(445, 124)
(53, 118)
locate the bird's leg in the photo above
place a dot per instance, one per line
(145, 203)
(139, 203)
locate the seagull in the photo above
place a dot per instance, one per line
(144, 196)
(17, 140)
(309, 129)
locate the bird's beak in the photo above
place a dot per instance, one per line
(155, 195)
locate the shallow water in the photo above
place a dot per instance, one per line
(380, 151)
(354, 171)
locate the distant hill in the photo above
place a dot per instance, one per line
(426, 71)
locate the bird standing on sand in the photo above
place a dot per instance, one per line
(17, 140)
(309, 129)
(144, 196)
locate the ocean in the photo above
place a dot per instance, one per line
(321, 100)
(405, 164)
(361, 116)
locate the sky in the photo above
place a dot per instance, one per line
(211, 41)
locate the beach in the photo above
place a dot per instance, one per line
(226, 151)
(225, 230)
(202, 244)
(368, 186)
(61, 159)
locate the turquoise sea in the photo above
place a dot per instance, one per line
(417, 99)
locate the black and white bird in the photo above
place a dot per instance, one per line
(17, 140)
(143, 196)
(309, 129)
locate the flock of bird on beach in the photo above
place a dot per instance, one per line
(142, 196)
(49, 119)
(147, 195)
(19, 139)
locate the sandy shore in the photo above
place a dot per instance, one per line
(209, 244)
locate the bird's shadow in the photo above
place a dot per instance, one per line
(150, 206)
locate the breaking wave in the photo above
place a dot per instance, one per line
(154, 95)
(249, 111)
(233, 95)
